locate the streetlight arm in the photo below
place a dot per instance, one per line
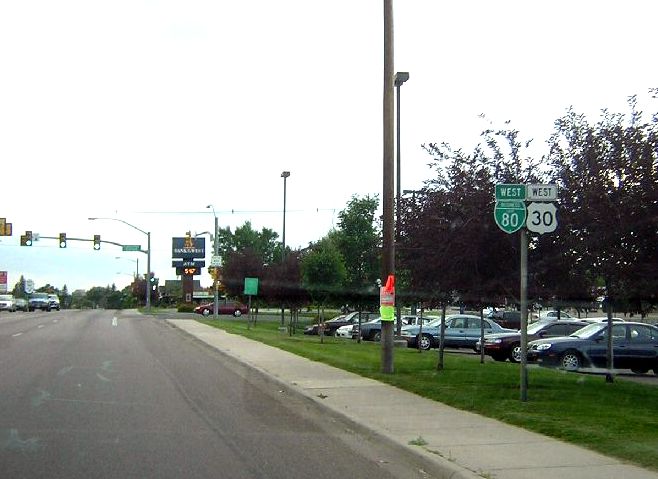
(122, 221)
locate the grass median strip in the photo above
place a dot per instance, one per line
(619, 419)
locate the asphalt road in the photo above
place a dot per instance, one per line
(103, 394)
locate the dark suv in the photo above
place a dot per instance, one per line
(39, 301)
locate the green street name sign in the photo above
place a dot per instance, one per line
(511, 192)
(131, 247)
(510, 215)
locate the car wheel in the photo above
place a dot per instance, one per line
(640, 370)
(377, 336)
(515, 353)
(237, 313)
(206, 312)
(570, 361)
(425, 342)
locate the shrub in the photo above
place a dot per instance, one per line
(185, 308)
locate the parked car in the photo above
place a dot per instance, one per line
(54, 301)
(635, 347)
(553, 314)
(372, 331)
(507, 319)
(461, 331)
(234, 308)
(344, 331)
(603, 319)
(7, 303)
(502, 346)
(21, 304)
(332, 325)
(39, 301)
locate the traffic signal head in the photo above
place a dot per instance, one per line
(97, 242)
(26, 239)
(62, 240)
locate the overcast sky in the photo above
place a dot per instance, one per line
(147, 111)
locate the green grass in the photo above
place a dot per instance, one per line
(619, 419)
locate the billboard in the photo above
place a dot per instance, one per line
(188, 248)
(3, 281)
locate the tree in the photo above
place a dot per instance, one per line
(608, 181)
(323, 271)
(239, 265)
(263, 242)
(358, 240)
(452, 239)
(19, 288)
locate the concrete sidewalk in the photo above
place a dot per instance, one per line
(460, 444)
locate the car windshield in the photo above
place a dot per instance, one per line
(589, 331)
(534, 328)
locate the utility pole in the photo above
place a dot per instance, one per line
(388, 253)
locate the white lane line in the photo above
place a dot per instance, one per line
(17, 334)
(114, 321)
(40, 326)
(55, 320)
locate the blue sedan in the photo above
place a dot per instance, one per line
(635, 347)
(461, 331)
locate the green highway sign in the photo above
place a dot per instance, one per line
(510, 215)
(131, 247)
(251, 286)
(510, 192)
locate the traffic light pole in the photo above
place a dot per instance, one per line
(148, 256)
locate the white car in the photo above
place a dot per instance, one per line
(603, 319)
(54, 301)
(553, 315)
(345, 331)
(7, 303)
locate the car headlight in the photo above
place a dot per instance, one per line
(544, 347)
(493, 341)
(406, 334)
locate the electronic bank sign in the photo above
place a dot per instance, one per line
(188, 248)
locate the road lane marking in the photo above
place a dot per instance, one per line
(114, 321)
(55, 320)
(40, 326)
(16, 335)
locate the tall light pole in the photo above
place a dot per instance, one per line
(148, 256)
(400, 78)
(215, 248)
(284, 175)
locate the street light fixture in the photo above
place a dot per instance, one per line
(148, 256)
(284, 175)
(399, 79)
(215, 254)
